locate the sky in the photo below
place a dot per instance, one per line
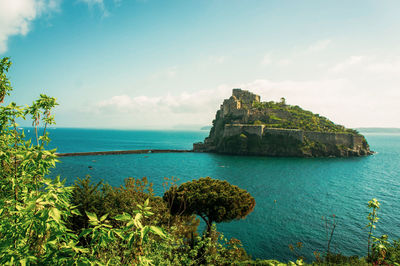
(168, 64)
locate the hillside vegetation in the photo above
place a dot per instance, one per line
(282, 115)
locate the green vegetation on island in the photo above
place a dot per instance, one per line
(294, 117)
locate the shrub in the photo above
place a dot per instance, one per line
(213, 200)
(100, 198)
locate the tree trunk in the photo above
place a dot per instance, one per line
(208, 223)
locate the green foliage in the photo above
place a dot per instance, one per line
(33, 209)
(89, 199)
(281, 115)
(101, 198)
(213, 249)
(339, 259)
(5, 86)
(392, 255)
(372, 220)
(380, 250)
(213, 200)
(126, 198)
(122, 245)
(181, 247)
(40, 111)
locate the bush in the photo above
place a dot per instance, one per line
(101, 198)
(213, 200)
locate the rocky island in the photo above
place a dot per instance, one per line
(246, 126)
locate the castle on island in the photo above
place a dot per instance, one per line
(244, 125)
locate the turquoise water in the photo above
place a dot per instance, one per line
(292, 194)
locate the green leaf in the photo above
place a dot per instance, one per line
(137, 221)
(102, 218)
(158, 231)
(85, 232)
(92, 216)
(22, 262)
(143, 233)
(131, 239)
(75, 212)
(55, 214)
(130, 223)
(119, 233)
(124, 217)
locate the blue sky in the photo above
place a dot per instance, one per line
(161, 64)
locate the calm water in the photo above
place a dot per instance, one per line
(292, 194)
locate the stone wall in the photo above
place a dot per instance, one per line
(294, 133)
(237, 129)
(344, 139)
(330, 138)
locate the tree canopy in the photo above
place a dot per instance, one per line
(213, 200)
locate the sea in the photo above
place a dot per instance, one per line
(297, 199)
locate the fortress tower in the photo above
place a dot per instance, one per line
(240, 99)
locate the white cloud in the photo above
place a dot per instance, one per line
(182, 103)
(16, 17)
(160, 112)
(352, 61)
(319, 45)
(345, 101)
(93, 2)
(369, 65)
(100, 4)
(391, 66)
(350, 102)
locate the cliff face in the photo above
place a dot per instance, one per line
(246, 126)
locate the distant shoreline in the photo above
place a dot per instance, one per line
(119, 152)
(379, 130)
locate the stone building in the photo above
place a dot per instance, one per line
(235, 131)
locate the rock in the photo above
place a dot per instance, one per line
(243, 125)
